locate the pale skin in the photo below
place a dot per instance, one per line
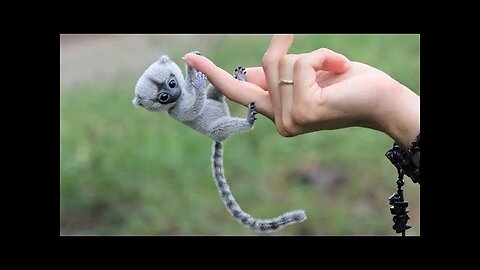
(329, 92)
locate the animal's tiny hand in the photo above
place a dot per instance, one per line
(199, 81)
(251, 113)
(240, 73)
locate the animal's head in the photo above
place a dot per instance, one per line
(160, 86)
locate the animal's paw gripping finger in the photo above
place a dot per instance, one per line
(200, 80)
(239, 74)
(251, 113)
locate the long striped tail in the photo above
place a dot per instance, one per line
(258, 225)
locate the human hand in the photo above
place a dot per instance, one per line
(329, 92)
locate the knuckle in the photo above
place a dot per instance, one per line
(301, 62)
(324, 50)
(287, 60)
(290, 128)
(268, 59)
(281, 129)
(285, 133)
(284, 61)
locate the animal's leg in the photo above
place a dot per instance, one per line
(230, 125)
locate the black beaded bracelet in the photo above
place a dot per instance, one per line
(402, 160)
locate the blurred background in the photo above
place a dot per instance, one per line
(127, 171)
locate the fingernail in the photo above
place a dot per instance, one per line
(186, 58)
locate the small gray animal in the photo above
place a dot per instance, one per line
(196, 103)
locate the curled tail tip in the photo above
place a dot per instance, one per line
(299, 215)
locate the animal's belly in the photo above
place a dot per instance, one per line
(213, 113)
(199, 124)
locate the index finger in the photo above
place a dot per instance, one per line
(278, 48)
(238, 91)
(256, 75)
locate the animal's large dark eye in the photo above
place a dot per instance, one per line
(172, 83)
(163, 97)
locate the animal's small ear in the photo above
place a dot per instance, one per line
(164, 59)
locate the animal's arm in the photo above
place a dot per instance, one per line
(195, 84)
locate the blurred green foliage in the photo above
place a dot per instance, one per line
(126, 171)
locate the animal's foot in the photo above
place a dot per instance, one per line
(251, 113)
(239, 74)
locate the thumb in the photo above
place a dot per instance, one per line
(237, 91)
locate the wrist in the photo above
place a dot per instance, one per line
(401, 120)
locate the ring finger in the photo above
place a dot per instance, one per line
(286, 86)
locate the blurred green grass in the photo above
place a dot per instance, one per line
(126, 171)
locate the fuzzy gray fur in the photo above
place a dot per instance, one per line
(258, 225)
(196, 103)
(215, 121)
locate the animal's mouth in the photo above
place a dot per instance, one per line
(138, 102)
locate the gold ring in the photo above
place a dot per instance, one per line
(286, 82)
